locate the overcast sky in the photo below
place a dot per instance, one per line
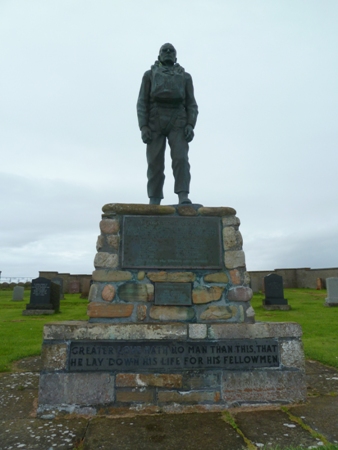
(265, 75)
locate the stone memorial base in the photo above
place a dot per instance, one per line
(171, 327)
(276, 307)
(101, 368)
(38, 312)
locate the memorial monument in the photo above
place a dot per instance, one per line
(171, 327)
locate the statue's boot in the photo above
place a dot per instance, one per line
(183, 198)
(155, 201)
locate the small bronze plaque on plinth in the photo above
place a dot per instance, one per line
(178, 294)
(153, 242)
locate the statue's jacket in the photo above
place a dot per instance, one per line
(166, 95)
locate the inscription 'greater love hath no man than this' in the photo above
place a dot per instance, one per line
(142, 356)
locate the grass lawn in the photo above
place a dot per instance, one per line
(21, 336)
(319, 323)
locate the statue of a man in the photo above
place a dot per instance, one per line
(167, 109)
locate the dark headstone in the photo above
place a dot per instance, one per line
(274, 290)
(173, 294)
(59, 281)
(171, 242)
(74, 287)
(18, 292)
(45, 295)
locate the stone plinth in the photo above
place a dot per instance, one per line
(170, 328)
(169, 263)
(114, 368)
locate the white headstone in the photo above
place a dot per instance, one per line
(18, 292)
(332, 291)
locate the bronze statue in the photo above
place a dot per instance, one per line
(167, 109)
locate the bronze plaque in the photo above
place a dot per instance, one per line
(153, 242)
(173, 294)
(168, 356)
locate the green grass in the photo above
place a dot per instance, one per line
(319, 323)
(21, 336)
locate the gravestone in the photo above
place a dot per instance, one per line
(59, 281)
(274, 293)
(18, 292)
(85, 288)
(44, 298)
(332, 291)
(74, 287)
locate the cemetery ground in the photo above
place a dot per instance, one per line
(309, 425)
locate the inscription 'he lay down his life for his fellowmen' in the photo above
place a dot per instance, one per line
(138, 355)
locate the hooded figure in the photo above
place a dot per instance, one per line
(167, 109)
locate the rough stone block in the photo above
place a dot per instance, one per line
(106, 260)
(247, 278)
(240, 294)
(186, 210)
(141, 312)
(218, 313)
(292, 354)
(203, 294)
(111, 275)
(172, 313)
(99, 242)
(74, 330)
(138, 209)
(136, 292)
(235, 276)
(144, 380)
(141, 275)
(108, 293)
(205, 380)
(263, 386)
(113, 241)
(198, 331)
(250, 312)
(135, 396)
(241, 313)
(254, 331)
(219, 277)
(234, 259)
(171, 277)
(231, 221)
(102, 310)
(109, 226)
(54, 357)
(232, 238)
(220, 211)
(188, 397)
(76, 388)
(93, 292)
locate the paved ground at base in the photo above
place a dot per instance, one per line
(310, 425)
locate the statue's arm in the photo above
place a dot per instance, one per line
(190, 102)
(143, 100)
